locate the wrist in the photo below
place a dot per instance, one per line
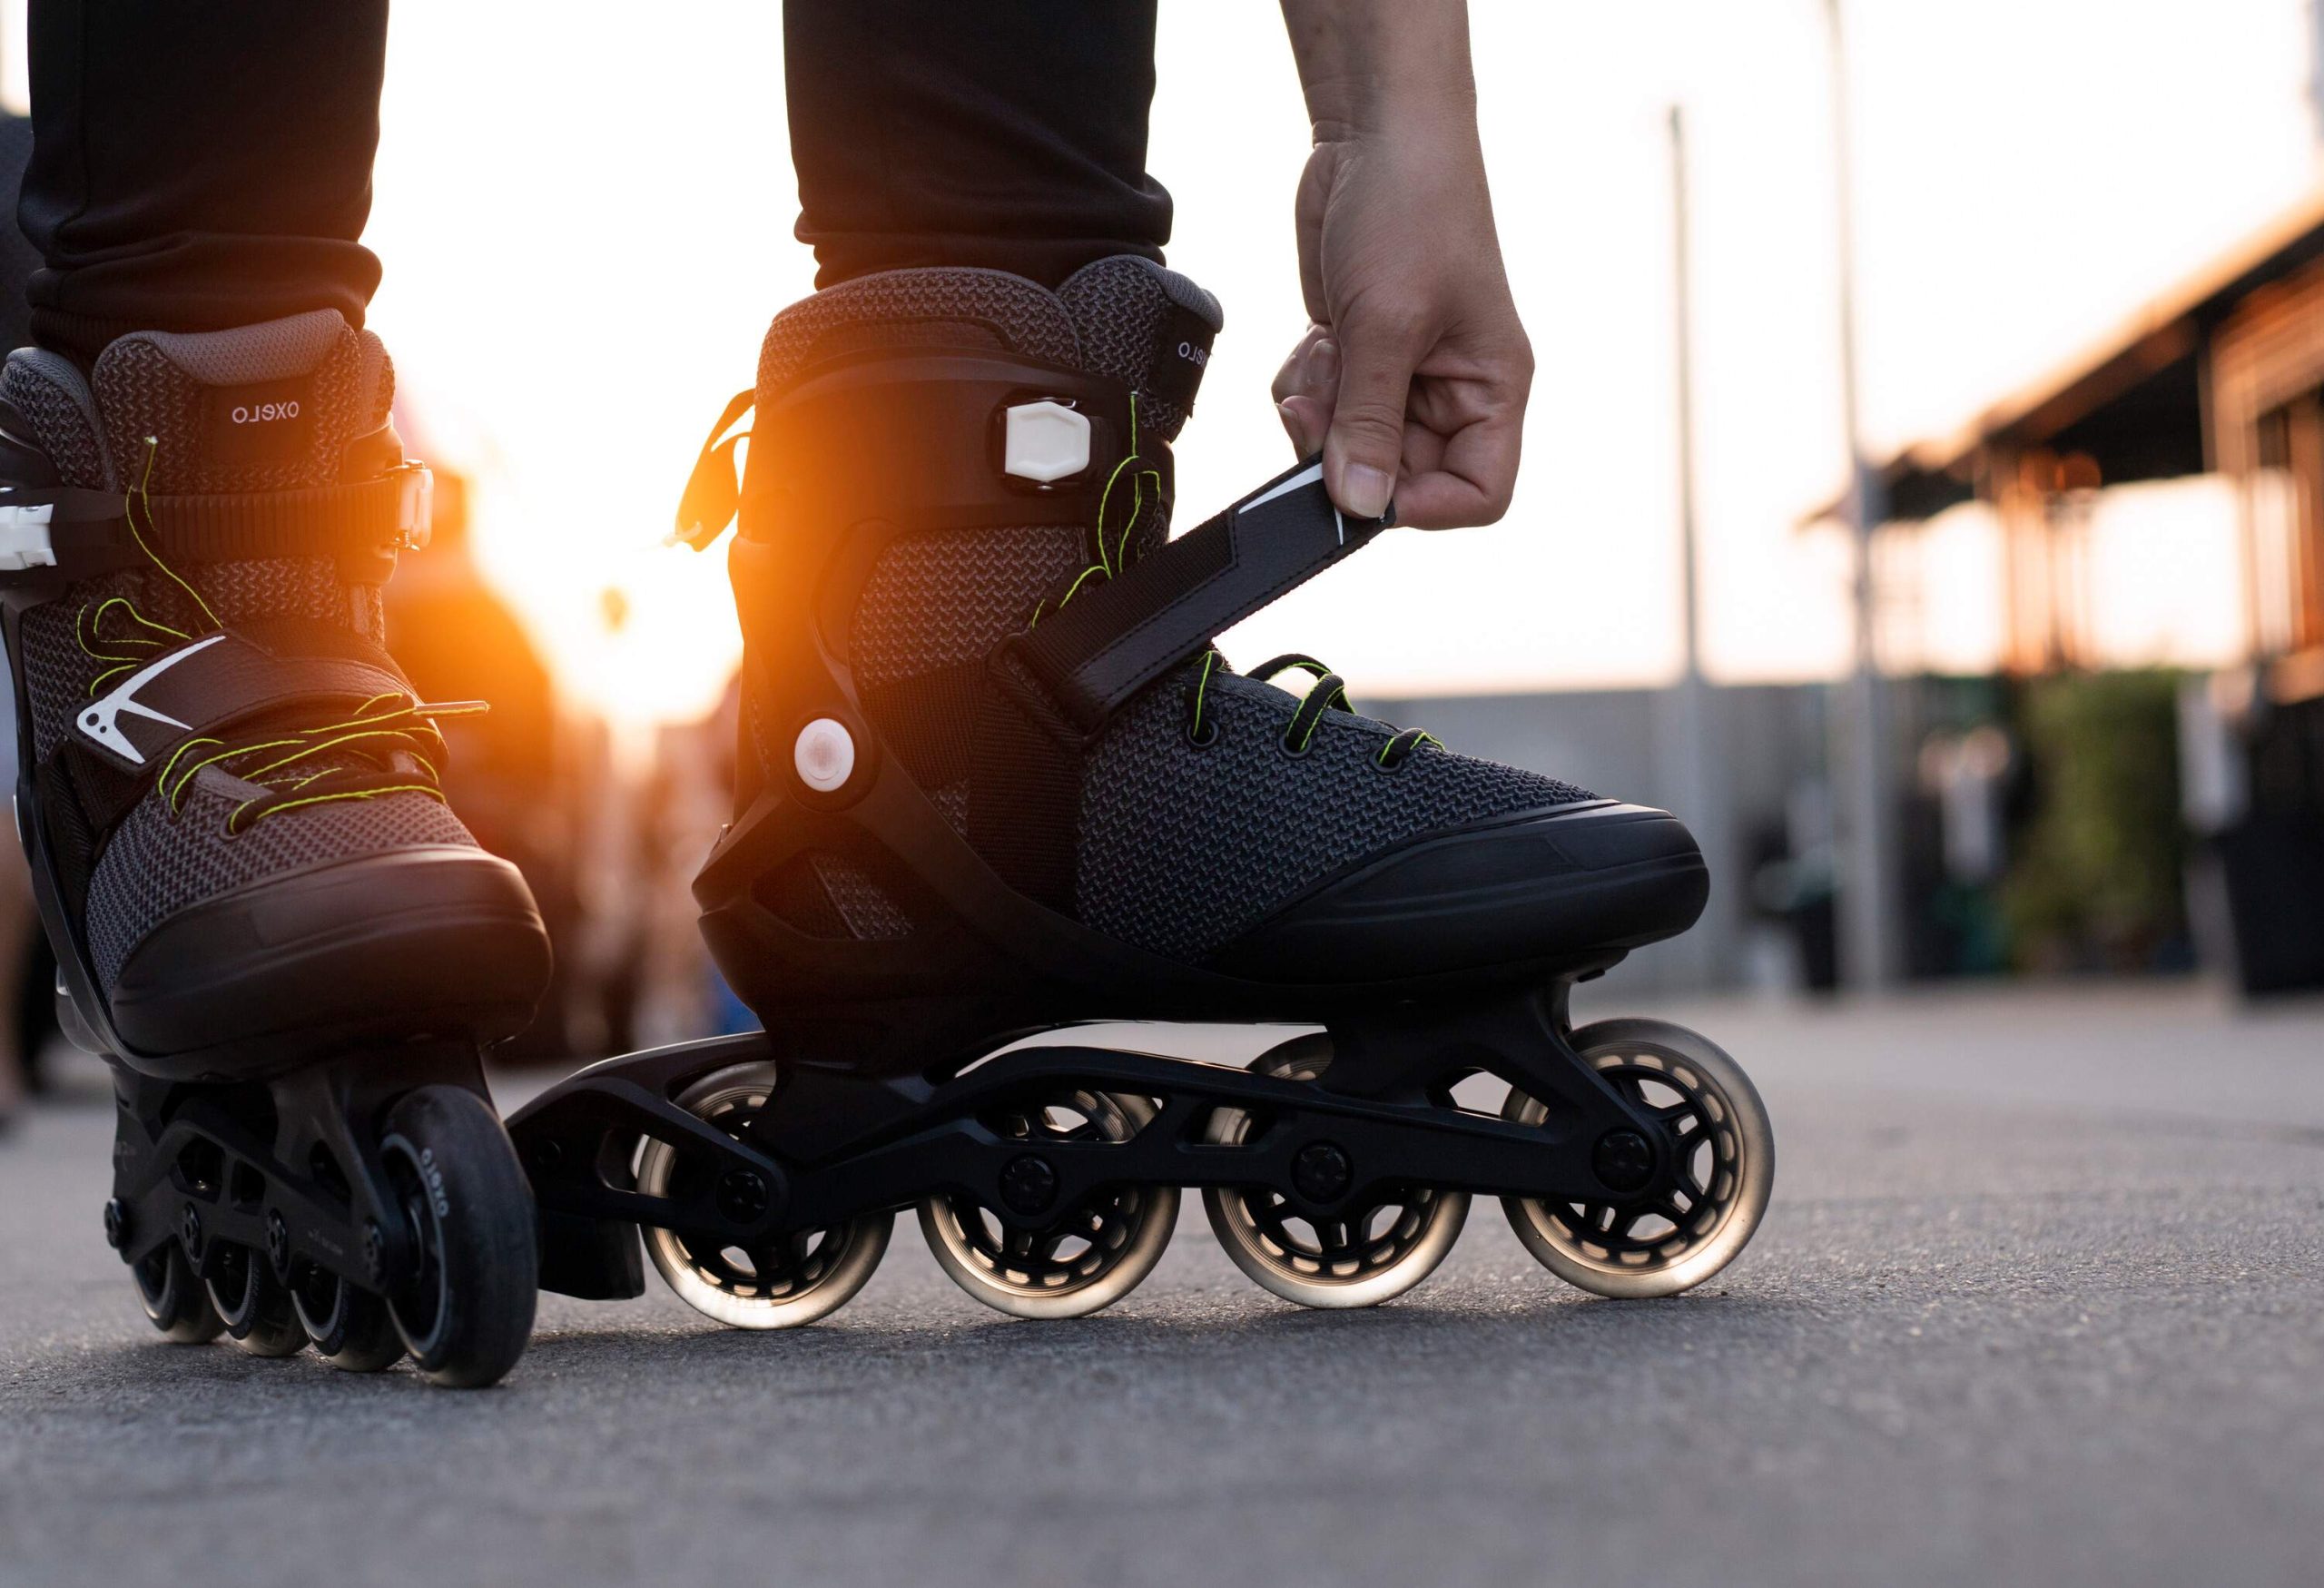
(1361, 109)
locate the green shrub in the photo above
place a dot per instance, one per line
(2096, 877)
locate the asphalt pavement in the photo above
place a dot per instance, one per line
(2040, 1299)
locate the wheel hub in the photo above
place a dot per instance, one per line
(1321, 1171)
(742, 1196)
(1027, 1185)
(1623, 1161)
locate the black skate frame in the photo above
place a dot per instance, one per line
(840, 1142)
(289, 1168)
(891, 1089)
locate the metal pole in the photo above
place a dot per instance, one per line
(1692, 752)
(1869, 957)
(1683, 306)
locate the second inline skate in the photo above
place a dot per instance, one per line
(269, 920)
(997, 783)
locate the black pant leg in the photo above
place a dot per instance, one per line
(197, 166)
(1005, 133)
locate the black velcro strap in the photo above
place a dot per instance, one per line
(919, 439)
(208, 683)
(71, 533)
(1112, 641)
(387, 510)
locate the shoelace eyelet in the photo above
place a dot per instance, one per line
(1204, 736)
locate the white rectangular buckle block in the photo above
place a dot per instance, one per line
(24, 539)
(415, 511)
(1046, 441)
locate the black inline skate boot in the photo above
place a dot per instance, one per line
(268, 919)
(996, 780)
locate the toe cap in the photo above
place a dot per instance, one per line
(1539, 887)
(436, 940)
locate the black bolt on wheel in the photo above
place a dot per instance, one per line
(780, 1283)
(742, 1196)
(278, 1245)
(174, 1300)
(1717, 1141)
(375, 1253)
(116, 1223)
(255, 1306)
(1085, 1256)
(464, 1309)
(1029, 1185)
(1352, 1256)
(1623, 1161)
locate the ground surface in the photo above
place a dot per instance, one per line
(2041, 1298)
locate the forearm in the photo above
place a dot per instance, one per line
(1370, 65)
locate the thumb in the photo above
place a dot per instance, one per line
(1368, 438)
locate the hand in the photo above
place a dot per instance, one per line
(1413, 375)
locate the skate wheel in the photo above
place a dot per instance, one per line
(256, 1309)
(1366, 1255)
(174, 1300)
(1726, 1153)
(350, 1328)
(793, 1280)
(1091, 1256)
(466, 1311)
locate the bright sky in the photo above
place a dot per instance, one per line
(587, 227)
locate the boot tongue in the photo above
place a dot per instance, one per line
(1146, 327)
(256, 409)
(261, 408)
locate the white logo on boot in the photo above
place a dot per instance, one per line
(101, 721)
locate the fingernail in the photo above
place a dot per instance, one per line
(1365, 490)
(1323, 364)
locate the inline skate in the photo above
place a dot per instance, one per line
(268, 920)
(997, 782)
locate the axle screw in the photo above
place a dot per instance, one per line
(742, 1196)
(190, 1232)
(1622, 1161)
(375, 1253)
(547, 1153)
(278, 1243)
(1321, 1172)
(1029, 1185)
(116, 1223)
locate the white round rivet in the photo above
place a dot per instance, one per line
(825, 755)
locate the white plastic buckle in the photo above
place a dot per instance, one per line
(416, 509)
(1046, 441)
(25, 540)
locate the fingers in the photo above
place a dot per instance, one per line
(1366, 443)
(1471, 484)
(1462, 439)
(1305, 389)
